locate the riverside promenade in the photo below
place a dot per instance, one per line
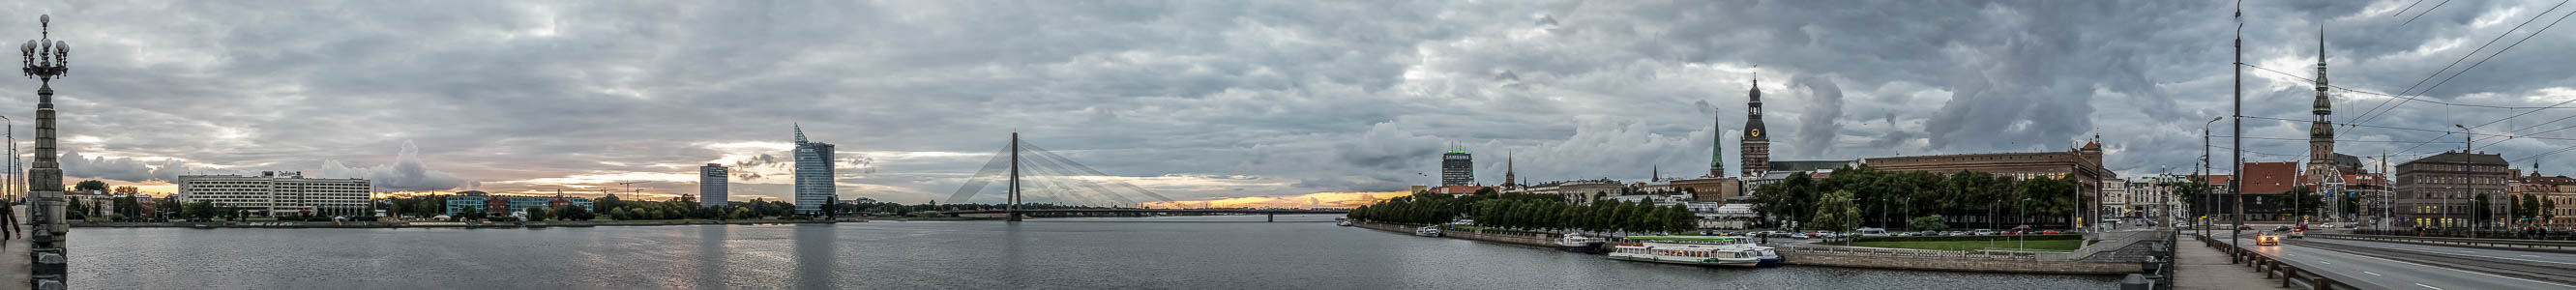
(2198, 267)
(17, 263)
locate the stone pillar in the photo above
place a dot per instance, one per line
(45, 200)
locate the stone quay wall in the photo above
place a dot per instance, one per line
(1961, 263)
(1529, 239)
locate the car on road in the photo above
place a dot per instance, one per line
(2267, 239)
(2298, 234)
(2281, 228)
(2244, 227)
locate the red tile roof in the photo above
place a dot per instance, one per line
(2270, 177)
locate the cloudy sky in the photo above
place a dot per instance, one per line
(1202, 100)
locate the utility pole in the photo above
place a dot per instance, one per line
(2465, 167)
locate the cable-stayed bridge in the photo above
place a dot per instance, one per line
(1026, 170)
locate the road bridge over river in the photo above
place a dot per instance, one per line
(2388, 264)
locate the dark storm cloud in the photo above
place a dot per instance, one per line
(1306, 96)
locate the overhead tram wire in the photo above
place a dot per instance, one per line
(2409, 7)
(2411, 20)
(2414, 129)
(2336, 141)
(2507, 134)
(2516, 43)
(2415, 99)
(2266, 153)
(2375, 110)
(2510, 138)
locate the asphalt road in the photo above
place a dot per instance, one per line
(2381, 273)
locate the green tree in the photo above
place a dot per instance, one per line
(537, 214)
(2528, 208)
(2548, 210)
(2300, 201)
(1929, 223)
(90, 185)
(576, 213)
(1836, 212)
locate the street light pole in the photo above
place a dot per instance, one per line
(46, 59)
(2235, 185)
(2205, 193)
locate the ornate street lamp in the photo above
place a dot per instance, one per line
(45, 59)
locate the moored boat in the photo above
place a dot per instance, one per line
(1342, 223)
(1427, 231)
(1696, 250)
(1574, 242)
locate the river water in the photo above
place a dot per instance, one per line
(1216, 252)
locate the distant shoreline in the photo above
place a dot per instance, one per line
(477, 225)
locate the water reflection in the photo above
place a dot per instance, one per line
(710, 254)
(814, 256)
(1133, 253)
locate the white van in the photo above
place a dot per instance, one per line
(1873, 232)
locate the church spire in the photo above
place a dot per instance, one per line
(1510, 178)
(1756, 147)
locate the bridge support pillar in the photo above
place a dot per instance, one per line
(1273, 218)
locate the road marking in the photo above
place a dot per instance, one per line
(2428, 286)
(2531, 256)
(2483, 257)
(2371, 273)
(2461, 271)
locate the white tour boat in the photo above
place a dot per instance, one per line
(1432, 231)
(1578, 243)
(1695, 250)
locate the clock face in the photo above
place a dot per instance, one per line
(1757, 132)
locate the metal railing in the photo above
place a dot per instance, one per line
(2273, 267)
(2494, 243)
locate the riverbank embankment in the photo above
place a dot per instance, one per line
(362, 225)
(1847, 257)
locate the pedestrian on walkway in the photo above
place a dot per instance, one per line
(9, 215)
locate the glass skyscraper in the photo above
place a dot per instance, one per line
(813, 174)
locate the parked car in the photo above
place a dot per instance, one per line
(1985, 232)
(1955, 233)
(2050, 232)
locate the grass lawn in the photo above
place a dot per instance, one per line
(2056, 245)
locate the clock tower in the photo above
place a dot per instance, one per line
(1757, 143)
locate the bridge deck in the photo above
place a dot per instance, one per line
(1153, 210)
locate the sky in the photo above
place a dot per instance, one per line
(1254, 101)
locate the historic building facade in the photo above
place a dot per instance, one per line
(2083, 164)
(2437, 190)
